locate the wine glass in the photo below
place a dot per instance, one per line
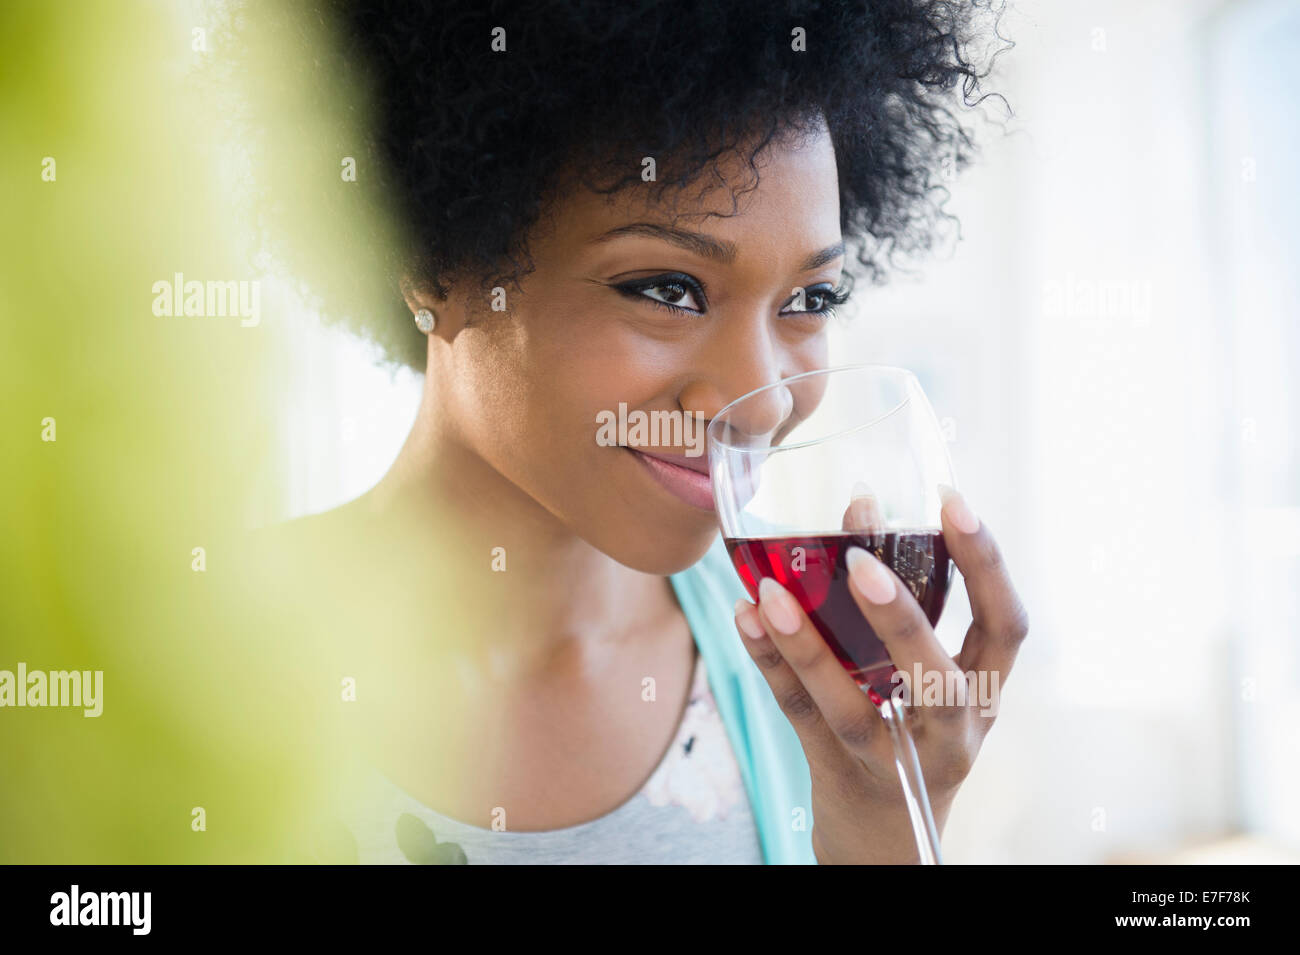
(810, 466)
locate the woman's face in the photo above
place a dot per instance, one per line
(659, 307)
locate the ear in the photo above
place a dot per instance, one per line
(421, 295)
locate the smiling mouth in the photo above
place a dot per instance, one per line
(688, 480)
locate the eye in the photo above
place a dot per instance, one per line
(678, 292)
(817, 300)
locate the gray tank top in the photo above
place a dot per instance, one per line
(692, 810)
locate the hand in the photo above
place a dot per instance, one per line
(859, 815)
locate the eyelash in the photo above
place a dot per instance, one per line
(834, 297)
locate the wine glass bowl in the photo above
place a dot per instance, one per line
(808, 467)
(857, 458)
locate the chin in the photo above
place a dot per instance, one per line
(662, 550)
(654, 537)
(626, 516)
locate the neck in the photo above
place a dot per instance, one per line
(539, 595)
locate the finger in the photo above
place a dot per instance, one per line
(863, 515)
(936, 685)
(844, 708)
(815, 734)
(894, 614)
(1000, 621)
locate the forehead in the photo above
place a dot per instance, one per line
(788, 197)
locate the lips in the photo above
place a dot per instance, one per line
(685, 478)
(698, 463)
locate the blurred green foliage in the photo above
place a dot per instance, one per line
(165, 441)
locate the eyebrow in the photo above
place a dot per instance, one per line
(706, 245)
(818, 259)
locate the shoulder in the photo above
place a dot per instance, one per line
(320, 547)
(307, 531)
(306, 579)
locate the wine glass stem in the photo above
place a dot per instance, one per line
(909, 773)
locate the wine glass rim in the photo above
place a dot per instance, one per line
(860, 366)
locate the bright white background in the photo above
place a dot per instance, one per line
(1114, 343)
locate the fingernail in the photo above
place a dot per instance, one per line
(861, 489)
(959, 512)
(747, 620)
(779, 606)
(870, 576)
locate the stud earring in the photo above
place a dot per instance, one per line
(424, 320)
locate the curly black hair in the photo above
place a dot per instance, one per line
(477, 112)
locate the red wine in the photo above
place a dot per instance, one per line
(812, 568)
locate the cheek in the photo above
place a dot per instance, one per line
(808, 354)
(530, 388)
(489, 382)
(583, 362)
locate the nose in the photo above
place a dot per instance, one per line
(738, 360)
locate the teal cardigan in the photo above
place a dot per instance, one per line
(771, 759)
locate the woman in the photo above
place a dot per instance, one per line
(614, 205)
